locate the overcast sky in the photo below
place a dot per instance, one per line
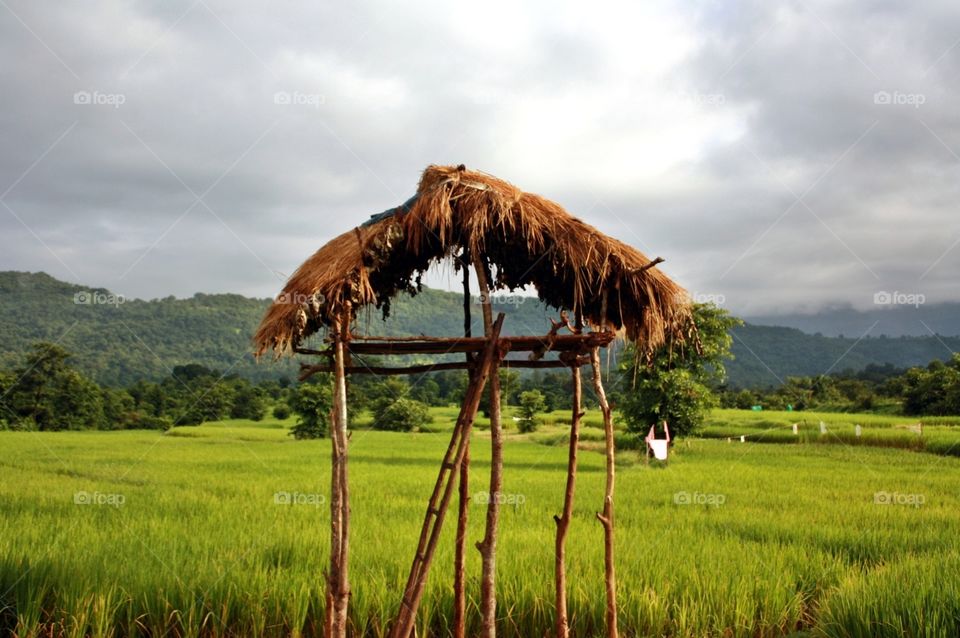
(779, 155)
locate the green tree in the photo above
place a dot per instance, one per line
(675, 386)
(32, 395)
(312, 402)
(249, 401)
(77, 402)
(50, 395)
(509, 386)
(402, 415)
(426, 390)
(6, 412)
(934, 390)
(151, 398)
(532, 402)
(207, 399)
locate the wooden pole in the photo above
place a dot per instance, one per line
(488, 546)
(463, 506)
(563, 521)
(449, 345)
(307, 371)
(338, 584)
(606, 518)
(443, 489)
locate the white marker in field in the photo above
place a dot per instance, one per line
(858, 430)
(796, 429)
(823, 427)
(743, 438)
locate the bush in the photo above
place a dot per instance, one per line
(281, 411)
(149, 422)
(312, 403)
(531, 402)
(248, 403)
(402, 415)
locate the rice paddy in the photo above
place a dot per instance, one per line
(222, 530)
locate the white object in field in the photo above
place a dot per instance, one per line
(823, 427)
(659, 447)
(795, 428)
(859, 430)
(516, 418)
(743, 438)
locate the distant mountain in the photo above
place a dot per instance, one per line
(766, 355)
(890, 318)
(118, 341)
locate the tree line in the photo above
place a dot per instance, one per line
(678, 385)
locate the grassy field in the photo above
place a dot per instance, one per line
(939, 435)
(222, 530)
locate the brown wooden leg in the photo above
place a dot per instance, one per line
(606, 518)
(563, 521)
(443, 489)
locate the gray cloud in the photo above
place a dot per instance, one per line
(687, 132)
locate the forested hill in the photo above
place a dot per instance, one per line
(766, 355)
(118, 341)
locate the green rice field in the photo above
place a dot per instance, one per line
(222, 530)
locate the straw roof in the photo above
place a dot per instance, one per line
(526, 240)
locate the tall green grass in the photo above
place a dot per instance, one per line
(200, 547)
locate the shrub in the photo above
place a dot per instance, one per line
(531, 402)
(312, 403)
(402, 415)
(281, 411)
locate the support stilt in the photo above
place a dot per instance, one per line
(338, 583)
(443, 489)
(488, 546)
(563, 521)
(460, 551)
(606, 518)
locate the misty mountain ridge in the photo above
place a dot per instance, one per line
(893, 317)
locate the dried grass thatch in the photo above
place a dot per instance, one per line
(525, 238)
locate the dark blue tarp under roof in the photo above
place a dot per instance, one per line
(402, 208)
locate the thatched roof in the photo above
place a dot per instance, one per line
(525, 238)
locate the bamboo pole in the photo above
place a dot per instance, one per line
(463, 495)
(563, 521)
(443, 489)
(338, 583)
(488, 546)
